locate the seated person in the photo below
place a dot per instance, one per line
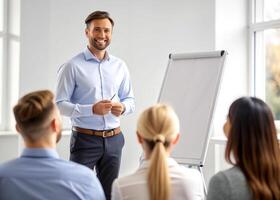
(39, 173)
(253, 150)
(159, 176)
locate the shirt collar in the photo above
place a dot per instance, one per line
(39, 152)
(91, 56)
(170, 162)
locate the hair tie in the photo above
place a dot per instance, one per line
(159, 138)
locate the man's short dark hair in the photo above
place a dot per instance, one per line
(98, 15)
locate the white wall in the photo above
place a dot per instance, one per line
(231, 34)
(145, 33)
(35, 49)
(9, 147)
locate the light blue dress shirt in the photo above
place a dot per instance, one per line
(40, 174)
(84, 81)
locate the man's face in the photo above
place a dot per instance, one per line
(99, 34)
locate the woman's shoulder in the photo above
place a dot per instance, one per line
(183, 172)
(133, 186)
(228, 184)
(233, 174)
(137, 177)
(186, 182)
(186, 173)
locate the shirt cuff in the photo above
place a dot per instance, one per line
(124, 108)
(83, 110)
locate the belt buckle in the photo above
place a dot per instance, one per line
(110, 133)
(103, 134)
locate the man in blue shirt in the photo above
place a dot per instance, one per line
(39, 173)
(94, 90)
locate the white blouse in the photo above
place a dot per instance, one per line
(186, 183)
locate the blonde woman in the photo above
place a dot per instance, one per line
(159, 176)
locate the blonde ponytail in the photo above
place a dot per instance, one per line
(158, 176)
(158, 125)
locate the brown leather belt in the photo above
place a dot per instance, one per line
(105, 133)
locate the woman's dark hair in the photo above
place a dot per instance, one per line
(252, 141)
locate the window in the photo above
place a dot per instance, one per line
(2, 58)
(266, 10)
(1, 75)
(265, 52)
(9, 60)
(2, 15)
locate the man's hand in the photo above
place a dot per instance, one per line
(117, 108)
(102, 107)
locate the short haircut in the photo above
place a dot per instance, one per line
(98, 15)
(32, 112)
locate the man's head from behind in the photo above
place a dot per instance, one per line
(37, 118)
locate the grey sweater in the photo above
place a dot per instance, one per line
(229, 185)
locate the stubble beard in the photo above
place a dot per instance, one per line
(99, 47)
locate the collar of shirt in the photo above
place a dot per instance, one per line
(91, 56)
(39, 153)
(170, 162)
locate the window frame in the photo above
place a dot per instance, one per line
(7, 77)
(4, 36)
(254, 28)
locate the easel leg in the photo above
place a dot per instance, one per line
(203, 180)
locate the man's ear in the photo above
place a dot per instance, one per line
(86, 31)
(139, 138)
(18, 128)
(176, 139)
(55, 125)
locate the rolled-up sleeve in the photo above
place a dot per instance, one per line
(126, 93)
(64, 90)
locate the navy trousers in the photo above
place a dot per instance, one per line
(101, 154)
